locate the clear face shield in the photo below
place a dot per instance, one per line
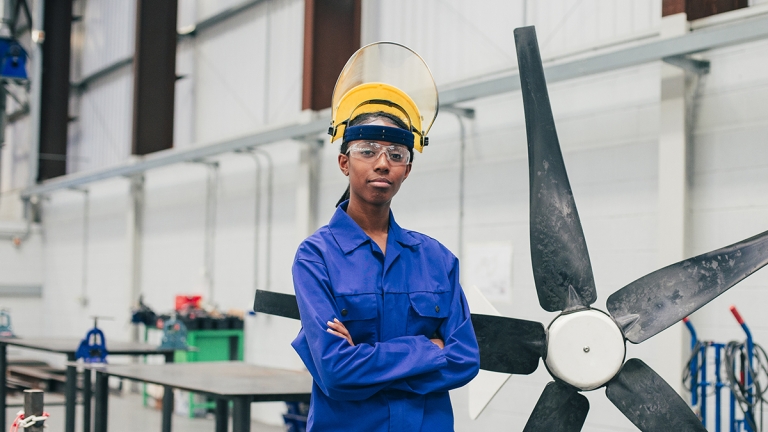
(386, 77)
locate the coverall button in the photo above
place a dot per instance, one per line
(343, 312)
(437, 308)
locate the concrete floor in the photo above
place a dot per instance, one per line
(126, 414)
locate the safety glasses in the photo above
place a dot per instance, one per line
(370, 151)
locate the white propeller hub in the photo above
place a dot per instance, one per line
(585, 348)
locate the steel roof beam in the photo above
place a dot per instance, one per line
(700, 40)
(173, 156)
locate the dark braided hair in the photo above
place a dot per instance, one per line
(367, 118)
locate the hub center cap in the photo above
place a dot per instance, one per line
(585, 349)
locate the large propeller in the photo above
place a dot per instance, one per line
(564, 282)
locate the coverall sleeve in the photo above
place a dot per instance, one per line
(461, 350)
(346, 372)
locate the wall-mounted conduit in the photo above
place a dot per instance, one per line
(257, 155)
(461, 114)
(211, 189)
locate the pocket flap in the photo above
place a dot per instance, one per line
(431, 304)
(357, 307)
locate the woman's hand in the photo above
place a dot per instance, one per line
(335, 327)
(438, 342)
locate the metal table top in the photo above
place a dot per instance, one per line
(222, 379)
(68, 345)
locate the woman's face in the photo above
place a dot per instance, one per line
(377, 181)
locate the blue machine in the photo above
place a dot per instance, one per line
(13, 59)
(737, 360)
(699, 383)
(296, 417)
(93, 348)
(174, 335)
(6, 329)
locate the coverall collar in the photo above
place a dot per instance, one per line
(350, 236)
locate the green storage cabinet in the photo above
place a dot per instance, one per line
(212, 345)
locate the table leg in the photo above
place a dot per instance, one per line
(70, 394)
(102, 402)
(222, 415)
(241, 414)
(87, 397)
(3, 382)
(167, 408)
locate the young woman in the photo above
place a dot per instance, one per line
(386, 330)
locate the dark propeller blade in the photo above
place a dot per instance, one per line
(649, 402)
(273, 303)
(654, 302)
(509, 345)
(560, 409)
(561, 266)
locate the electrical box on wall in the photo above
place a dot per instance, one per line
(13, 60)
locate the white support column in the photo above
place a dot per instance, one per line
(673, 151)
(669, 348)
(135, 233)
(307, 182)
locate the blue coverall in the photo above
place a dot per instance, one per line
(394, 379)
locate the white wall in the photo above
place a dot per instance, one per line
(729, 180)
(608, 126)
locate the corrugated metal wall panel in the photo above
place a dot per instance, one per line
(460, 40)
(223, 90)
(109, 33)
(232, 63)
(101, 135)
(457, 39)
(207, 8)
(229, 81)
(564, 25)
(285, 58)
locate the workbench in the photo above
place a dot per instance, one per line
(226, 382)
(68, 347)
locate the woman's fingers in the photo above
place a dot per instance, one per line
(335, 327)
(438, 342)
(335, 333)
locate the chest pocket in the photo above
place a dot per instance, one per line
(427, 312)
(359, 313)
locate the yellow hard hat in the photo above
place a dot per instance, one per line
(386, 77)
